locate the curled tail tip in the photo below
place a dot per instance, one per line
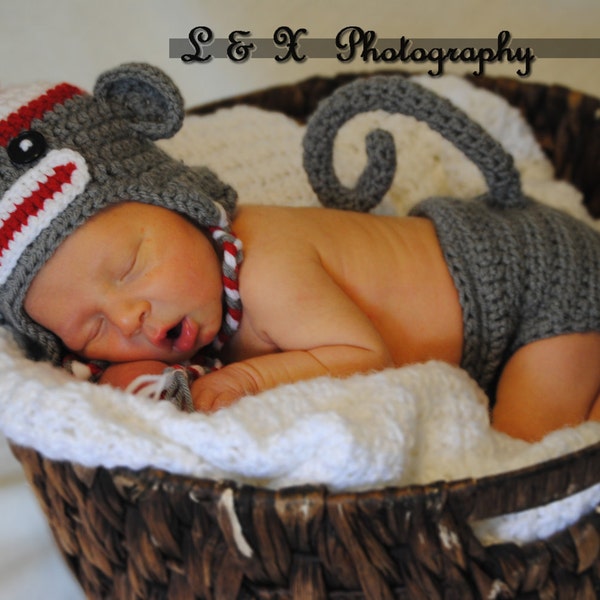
(318, 147)
(373, 183)
(397, 94)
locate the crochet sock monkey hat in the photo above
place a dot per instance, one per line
(65, 155)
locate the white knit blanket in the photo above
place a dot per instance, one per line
(415, 424)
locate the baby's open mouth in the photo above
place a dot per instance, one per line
(174, 333)
(183, 335)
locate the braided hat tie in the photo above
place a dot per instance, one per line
(232, 258)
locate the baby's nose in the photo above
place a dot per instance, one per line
(129, 316)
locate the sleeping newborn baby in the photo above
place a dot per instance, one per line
(120, 254)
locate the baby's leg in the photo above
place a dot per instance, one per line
(549, 384)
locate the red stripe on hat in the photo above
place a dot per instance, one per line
(21, 119)
(34, 203)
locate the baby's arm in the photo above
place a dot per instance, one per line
(308, 323)
(224, 387)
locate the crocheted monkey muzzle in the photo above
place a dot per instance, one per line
(65, 155)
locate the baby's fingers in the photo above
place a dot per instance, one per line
(209, 399)
(222, 388)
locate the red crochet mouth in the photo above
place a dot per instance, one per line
(35, 199)
(34, 203)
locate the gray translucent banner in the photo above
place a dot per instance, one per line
(309, 48)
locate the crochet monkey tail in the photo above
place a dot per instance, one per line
(396, 94)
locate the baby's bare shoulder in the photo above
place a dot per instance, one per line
(256, 220)
(269, 232)
(277, 246)
(310, 223)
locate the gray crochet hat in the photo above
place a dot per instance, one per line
(67, 154)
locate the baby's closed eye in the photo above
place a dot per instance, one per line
(128, 268)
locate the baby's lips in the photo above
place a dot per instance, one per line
(188, 336)
(180, 336)
(160, 336)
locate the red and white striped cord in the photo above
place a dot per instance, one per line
(232, 259)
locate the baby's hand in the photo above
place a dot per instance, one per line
(120, 375)
(223, 388)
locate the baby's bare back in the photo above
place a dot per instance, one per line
(391, 268)
(359, 293)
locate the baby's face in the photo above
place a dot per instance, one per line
(136, 282)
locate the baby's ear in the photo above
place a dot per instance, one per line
(145, 96)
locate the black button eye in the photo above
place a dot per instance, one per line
(26, 147)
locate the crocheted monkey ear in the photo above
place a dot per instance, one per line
(143, 95)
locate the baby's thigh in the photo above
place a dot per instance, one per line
(549, 384)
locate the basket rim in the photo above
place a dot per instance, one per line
(471, 498)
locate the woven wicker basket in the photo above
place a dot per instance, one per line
(151, 534)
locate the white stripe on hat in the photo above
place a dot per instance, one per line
(12, 98)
